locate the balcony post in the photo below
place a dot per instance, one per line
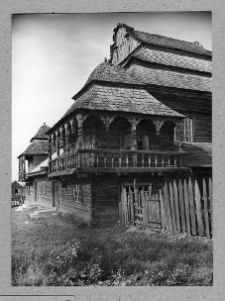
(49, 153)
(134, 122)
(80, 119)
(57, 142)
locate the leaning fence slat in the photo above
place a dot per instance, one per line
(192, 208)
(173, 218)
(187, 210)
(131, 206)
(199, 210)
(126, 199)
(163, 210)
(176, 206)
(181, 201)
(168, 209)
(210, 201)
(206, 213)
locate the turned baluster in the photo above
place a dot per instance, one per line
(175, 161)
(142, 160)
(97, 159)
(127, 160)
(169, 160)
(156, 161)
(162, 161)
(120, 160)
(149, 160)
(112, 160)
(105, 160)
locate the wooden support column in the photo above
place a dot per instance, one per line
(80, 120)
(134, 122)
(50, 148)
(67, 136)
(57, 142)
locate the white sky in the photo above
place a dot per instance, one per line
(53, 55)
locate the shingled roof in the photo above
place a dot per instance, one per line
(170, 78)
(111, 73)
(109, 88)
(36, 148)
(41, 133)
(165, 42)
(172, 59)
(119, 99)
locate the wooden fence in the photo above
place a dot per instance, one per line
(183, 206)
(186, 207)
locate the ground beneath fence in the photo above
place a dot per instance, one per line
(54, 249)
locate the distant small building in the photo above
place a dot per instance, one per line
(18, 188)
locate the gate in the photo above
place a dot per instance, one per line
(139, 207)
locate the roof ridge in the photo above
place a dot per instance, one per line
(195, 47)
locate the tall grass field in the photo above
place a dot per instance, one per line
(59, 250)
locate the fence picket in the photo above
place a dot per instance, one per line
(187, 209)
(131, 206)
(172, 207)
(199, 210)
(192, 208)
(181, 201)
(163, 210)
(210, 201)
(206, 213)
(176, 206)
(168, 209)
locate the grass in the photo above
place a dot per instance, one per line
(62, 251)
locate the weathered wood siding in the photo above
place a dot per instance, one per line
(124, 44)
(105, 198)
(69, 203)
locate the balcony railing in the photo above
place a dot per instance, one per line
(107, 159)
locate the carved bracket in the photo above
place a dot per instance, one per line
(134, 122)
(107, 120)
(80, 119)
(158, 124)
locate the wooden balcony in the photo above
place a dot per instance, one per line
(108, 160)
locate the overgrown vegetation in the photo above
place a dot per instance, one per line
(60, 251)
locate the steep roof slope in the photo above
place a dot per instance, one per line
(170, 78)
(171, 59)
(114, 99)
(165, 42)
(41, 133)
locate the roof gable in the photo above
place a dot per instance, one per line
(165, 42)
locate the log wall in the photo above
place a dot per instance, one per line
(68, 202)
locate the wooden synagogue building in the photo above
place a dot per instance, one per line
(142, 118)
